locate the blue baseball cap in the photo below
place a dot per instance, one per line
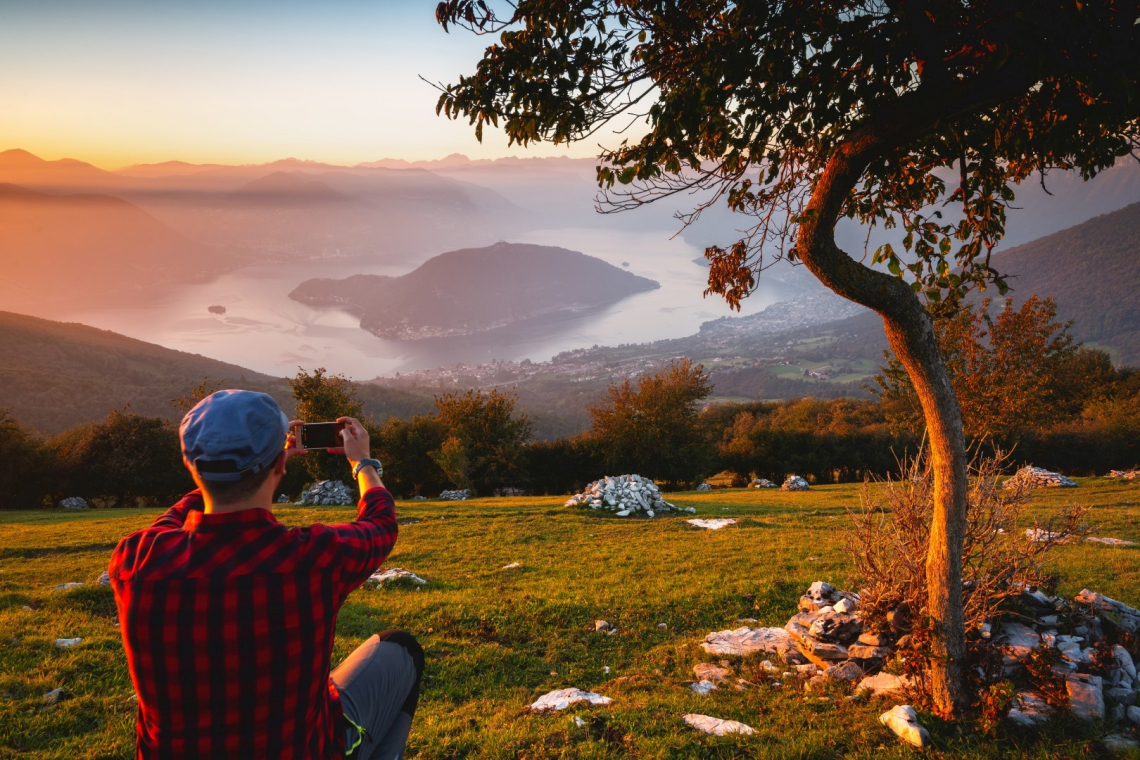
(230, 435)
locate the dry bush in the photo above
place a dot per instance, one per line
(889, 539)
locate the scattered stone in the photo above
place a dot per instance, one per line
(381, 577)
(716, 726)
(663, 626)
(1086, 696)
(458, 494)
(747, 641)
(67, 643)
(1036, 477)
(702, 687)
(104, 579)
(762, 483)
(795, 483)
(1040, 536)
(327, 493)
(67, 586)
(1018, 641)
(284, 499)
(1124, 474)
(707, 671)
(1029, 709)
(510, 491)
(624, 495)
(808, 669)
(579, 722)
(54, 696)
(874, 639)
(835, 627)
(560, 699)
(844, 671)
(882, 683)
(73, 502)
(704, 487)
(768, 666)
(903, 720)
(417, 497)
(846, 606)
(712, 524)
(601, 626)
(864, 652)
(1133, 713)
(1110, 541)
(1120, 742)
(512, 566)
(1124, 661)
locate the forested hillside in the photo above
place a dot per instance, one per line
(1093, 271)
(55, 375)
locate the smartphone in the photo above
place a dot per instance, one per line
(322, 435)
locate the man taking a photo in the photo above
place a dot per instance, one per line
(228, 616)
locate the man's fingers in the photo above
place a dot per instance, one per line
(337, 450)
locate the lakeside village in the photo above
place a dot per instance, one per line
(717, 344)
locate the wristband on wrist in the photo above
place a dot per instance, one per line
(375, 463)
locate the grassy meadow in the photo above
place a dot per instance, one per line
(496, 639)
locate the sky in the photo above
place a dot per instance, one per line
(120, 82)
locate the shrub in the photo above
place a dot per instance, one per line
(27, 465)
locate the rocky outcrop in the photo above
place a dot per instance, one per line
(762, 483)
(327, 493)
(625, 496)
(795, 483)
(1035, 477)
(458, 494)
(73, 502)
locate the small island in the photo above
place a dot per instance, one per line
(216, 309)
(475, 290)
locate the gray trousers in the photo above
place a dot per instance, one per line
(379, 688)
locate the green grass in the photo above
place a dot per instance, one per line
(496, 639)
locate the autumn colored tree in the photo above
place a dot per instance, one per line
(483, 449)
(322, 397)
(801, 113)
(652, 427)
(1014, 371)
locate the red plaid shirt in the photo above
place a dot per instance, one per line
(228, 623)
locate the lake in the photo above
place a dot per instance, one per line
(266, 331)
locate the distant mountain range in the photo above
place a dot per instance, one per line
(475, 290)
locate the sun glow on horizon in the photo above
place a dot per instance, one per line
(121, 83)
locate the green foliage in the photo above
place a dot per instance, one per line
(485, 444)
(652, 429)
(184, 404)
(321, 397)
(127, 460)
(26, 465)
(405, 448)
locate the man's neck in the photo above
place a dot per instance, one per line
(210, 507)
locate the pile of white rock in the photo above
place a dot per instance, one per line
(1035, 477)
(761, 483)
(73, 502)
(625, 495)
(327, 493)
(1124, 474)
(510, 491)
(284, 499)
(831, 639)
(704, 487)
(795, 483)
(459, 494)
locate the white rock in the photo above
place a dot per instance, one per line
(1019, 640)
(795, 483)
(1035, 477)
(512, 566)
(882, 683)
(560, 699)
(73, 502)
(67, 586)
(578, 721)
(702, 687)
(1086, 696)
(708, 671)
(716, 726)
(67, 643)
(1110, 541)
(53, 696)
(104, 579)
(392, 573)
(903, 720)
(1124, 661)
(1133, 713)
(768, 667)
(712, 524)
(1029, 709)
(1040, 536)
(746, 641)
(846, 605)
(1120, 742)
(327, 493)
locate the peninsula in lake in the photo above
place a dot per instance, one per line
(475, 290)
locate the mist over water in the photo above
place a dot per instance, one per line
(264, 330)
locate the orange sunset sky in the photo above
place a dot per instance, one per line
(124, 82)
